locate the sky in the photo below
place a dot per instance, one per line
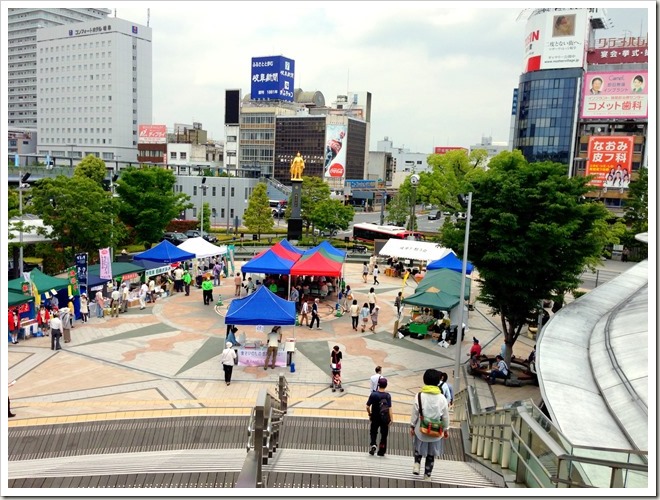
(440, 73)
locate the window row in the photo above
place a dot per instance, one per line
(56, 130)
(74, 79)
(79, 57)
(67, 141)
(81, 109)
(69, 46)
(78, 67)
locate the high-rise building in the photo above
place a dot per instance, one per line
(22, 56)
(94, 87)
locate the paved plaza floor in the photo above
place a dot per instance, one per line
(164, 360)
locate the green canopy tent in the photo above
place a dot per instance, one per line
(16, 299)
(446, 280)
(434, 298)
(43, 282)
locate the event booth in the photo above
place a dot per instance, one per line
(202, 248)
(450, 261)
(165, 252)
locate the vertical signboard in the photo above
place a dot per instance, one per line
(334, 164)
(272, 78)
(105, 265)
(610, 161)
(615, 94)
(81, 268)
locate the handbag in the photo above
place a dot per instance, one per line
(428, 426)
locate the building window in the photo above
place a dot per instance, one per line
(231, 193)
(173, 155)
(194, 190)
(222, 191)
(213, 191)
(183, 155)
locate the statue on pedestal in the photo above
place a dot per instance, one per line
(297, 167)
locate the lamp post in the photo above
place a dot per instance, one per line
(414, 180)
(228, 192)
(22, 183)
(201, 212)
(459, 332)
(113, 179)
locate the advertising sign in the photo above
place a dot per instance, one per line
(615, 94)
(334, 164)
(623, 50)
(105, 269)
(256, 356)
(72, 276)
(610, 161)
(81, 268)
(556, 39)
(272, 78)
(440, 150)
(152, 134)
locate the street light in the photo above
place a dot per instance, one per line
(459, 331)
(113, 179)
(228, 192)
(201, 212)
(22, 184)
(414, 180)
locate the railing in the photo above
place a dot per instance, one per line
(521, 439)
(263, 434)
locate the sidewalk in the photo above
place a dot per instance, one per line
(164, 360)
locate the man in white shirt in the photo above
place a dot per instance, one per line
(274, 339)
(124, 298)
(178, 279)
(114, 305)
(373, 381)
(55, 331)
(144, 289)
(304, 311)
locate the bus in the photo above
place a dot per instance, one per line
(366, 231)
(277, 207)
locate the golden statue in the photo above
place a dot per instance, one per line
(297, 167)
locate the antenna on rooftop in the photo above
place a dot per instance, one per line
(148, 16)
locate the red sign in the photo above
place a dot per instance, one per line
(336, 170)
(610, 161)
(440, 150)
(129, 276)
(152, 134)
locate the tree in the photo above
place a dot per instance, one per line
(206, 216)
(531, 234)
(147, 201)
(91, 167)
(398, 209)
(258, 217)
(13, 204)
(314, 191)
(637, 203)
(331, 215)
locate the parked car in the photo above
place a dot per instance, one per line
(435, 215)
(196, 233)
(175, 238)
(461, 216)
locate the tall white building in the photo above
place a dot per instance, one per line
(404, 161)
(94, 86)
(22, 28)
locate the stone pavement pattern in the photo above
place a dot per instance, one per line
(164, 361)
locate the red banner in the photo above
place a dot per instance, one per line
(610, 161)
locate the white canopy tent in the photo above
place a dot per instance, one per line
(415, 250)
(202, 248)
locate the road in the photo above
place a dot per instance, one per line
(423, 224)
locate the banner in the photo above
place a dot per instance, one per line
(610, 160)
(81, 268)
(615, 94)
(334, 164)
(105, 264)
(256, 356)
(72, 276)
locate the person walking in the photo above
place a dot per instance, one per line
(250, 286)
(207, 290)
(379, 408)
(65, 318)
(365, 272)
(430, 403)
(100, 304)
(152, 290)
(372, 263)
(376, 272)
(187, 279)
(364, 316)
(72, 310)
(294, 295)
(373, 381)
(142, 296)
(178, 279)
(304, 311)
(217, 269)
(348, 298)
(55, 331)
(398, 303)
(84, 308)
(274, 339)
(374, 319)
(228, 358)
(14, 325)
(371, 298)
(115, 300)
(124, 298)
(355, 313)
(238, 281)
(315, 315)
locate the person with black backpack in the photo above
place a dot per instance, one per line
(379, 408)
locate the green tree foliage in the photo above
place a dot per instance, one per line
(314, 191)
(258, 216)
(206, 216)
(331, 215)
(531, 235)
(80, 213)
(637, 203)
(13, 204)
(398, 209)
(147, 201)
(91, 167)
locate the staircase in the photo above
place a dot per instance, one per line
(276, 190)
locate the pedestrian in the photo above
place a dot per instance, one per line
(84, 308)
(364, 316)
(379, 408)
(249, 286)
(115, 301)
(54, 303)
(375, 273)
(65, 318)
(56, 331)
(374, 319)
(14, 325)
(430, 404)
(355, 313)
(336, 356)
(372, 263)
(231, 335)
(187, 279)
(274, 339)
(72, 310)
(446, 388)
(142, 296)
(398, 303)
(217, 269)
(238, 281)
(348, 298)
(178, 279)
(315, 315)
(152, 291)
(304, 311)
(207, 290)
(371, 298)
(227, 358)
(365, 272)
(294, 295)
(124, 298)
(43, 320)
(100, 304)
(373, 381)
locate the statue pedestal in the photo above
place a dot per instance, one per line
(295, 223)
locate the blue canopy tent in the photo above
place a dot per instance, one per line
(290, 247)
(262, 307)
(450, 261)
(324, 245)
(268, 263)
(165, 252)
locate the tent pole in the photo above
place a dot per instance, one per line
(288, 292)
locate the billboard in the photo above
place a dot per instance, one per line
(334, 164)
(615, 94)
(622, 50)
(272, 78)
(440, 150)
(556, 39)
(610, 161)
(152, 134)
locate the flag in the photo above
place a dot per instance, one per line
(105, 269)
(37, 295)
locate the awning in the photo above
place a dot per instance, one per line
(416, 250)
